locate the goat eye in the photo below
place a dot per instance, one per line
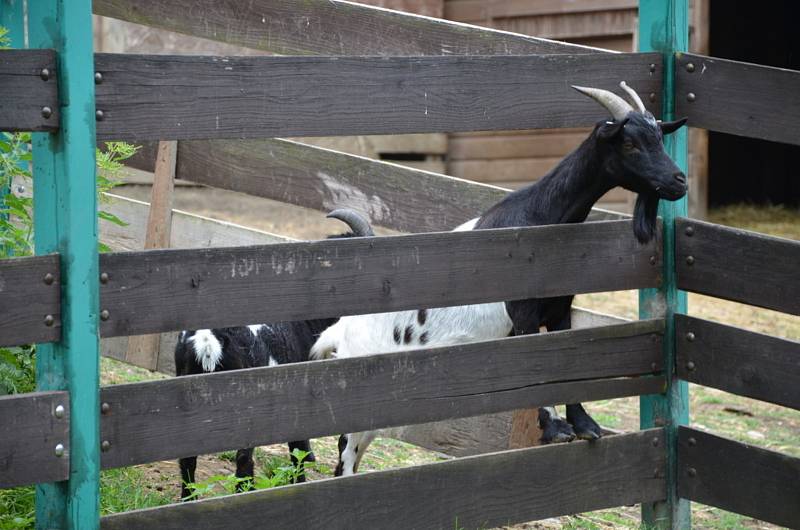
(628, 146)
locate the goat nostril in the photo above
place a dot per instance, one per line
(680, 177)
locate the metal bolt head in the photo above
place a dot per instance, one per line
(690, 366)
(98, 78)
(690, 260)
(59, 412)
(690, 67)
(692, 472)
(99, 115)
(692, 442)
(653, 367)
(47, 112)
(654, 442)
(48, 279)
(105, 408)
(652, 97)
(690, 336)
(105, 446)
(103, 277)
(689, 231)
(44, 74)
(652, 260)
(104, 315)
(59, 450)
(652, 67)
(690, 97)
(49, 320)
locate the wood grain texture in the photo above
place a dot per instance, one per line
(738, 477)
(29, 437)
(163, 290)
(325, 27)
(739, 98)
(24, 91)
(203, 414)
(738, 361)
(528, 484)
(26, 300)
(324, 180)
(147, 97)
(481, 11)
(738, 265)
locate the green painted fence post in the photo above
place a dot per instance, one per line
(65, 210)
(663, 27)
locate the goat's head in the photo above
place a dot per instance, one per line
(634, 155)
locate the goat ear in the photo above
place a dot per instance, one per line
(672, 126)
(645, 217)
(610, 129)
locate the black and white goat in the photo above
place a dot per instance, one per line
(210, 350)
(627, 151)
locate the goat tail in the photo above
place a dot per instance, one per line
(326, 345)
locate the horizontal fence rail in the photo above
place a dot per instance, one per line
(475, 492)
(30, 300)
(30, 90)
(151, 97)
(738, 477)
(201, 414)
(326, 27)
(738, 361)
(738, 265)
(738, 98)
(34, 438)
(324, 179)
(164, 290)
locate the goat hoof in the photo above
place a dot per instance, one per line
(587, 429)
(588, 435)
(557, 431)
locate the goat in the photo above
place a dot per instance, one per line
(626, 151)
(233, 348)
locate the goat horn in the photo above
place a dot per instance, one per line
(618, 107)
(633, 96)
(357, 222)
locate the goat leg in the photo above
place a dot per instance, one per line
(188, 466)
(244, 469)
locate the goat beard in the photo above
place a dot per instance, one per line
(645, 217)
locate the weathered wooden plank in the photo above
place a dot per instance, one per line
(162, 290)
(738, 265)
(738, 361)
(29, 84)
(325, 27)
(532, 483)
(30, 292)
(32, 428)
(323, 179)
(482, 11)
(738, 477)
(738, 98)
(533, 145)
(194, 97)
(202, 414)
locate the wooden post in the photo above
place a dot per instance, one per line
(143, 350)
(664, 27)
(65, 214)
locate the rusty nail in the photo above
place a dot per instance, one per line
(689, 231)
(690, 97)
(655, 442)
(59, 450)
(49, 279)
(690, 260)
(652, 97)
(98, 78)
(59, 412)
(98, 114)
(47, 112)
(692, 442)
(105, 408)
(692, 472)
(105, 446)
(103, 277)
(104, 315)
(49, 320)
(690, 67)
(690, 366)
(652, 67)
(45, 74)
(652, 260)
(690, 336)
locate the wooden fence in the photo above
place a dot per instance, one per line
(397, 73)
